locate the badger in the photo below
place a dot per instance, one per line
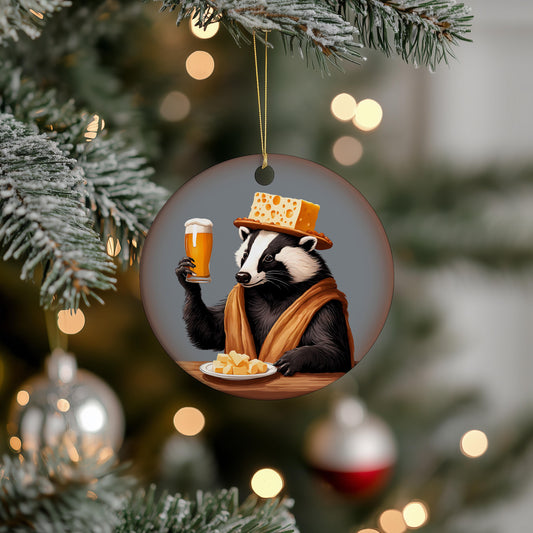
(274, 269)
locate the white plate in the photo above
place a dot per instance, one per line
(207, 368)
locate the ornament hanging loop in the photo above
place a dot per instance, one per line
(262, 115)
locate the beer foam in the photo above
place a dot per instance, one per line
(200, 225)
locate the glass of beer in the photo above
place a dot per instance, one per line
(198, 246)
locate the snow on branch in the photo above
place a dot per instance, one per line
(207, 513)
(421, 32)
(311, 25)
(43, 218)
(52, 493)
(116, 185)
(26, 16)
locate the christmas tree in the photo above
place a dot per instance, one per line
(100, 122)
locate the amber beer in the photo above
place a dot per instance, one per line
(198, 246)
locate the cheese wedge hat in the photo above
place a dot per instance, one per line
(285, 215)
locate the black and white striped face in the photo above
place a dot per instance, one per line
(277, 258)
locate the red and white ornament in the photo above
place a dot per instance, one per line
(352, 450)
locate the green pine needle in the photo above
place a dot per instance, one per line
(115, 185)
(217, 512)
(26, 16)
(43, 219)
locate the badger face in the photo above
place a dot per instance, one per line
(277, 258)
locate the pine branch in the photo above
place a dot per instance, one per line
(52, 495)
(307, 25)
(116, 184)
(43, 219)
(208, 513)
(26, 16)
(420, 31)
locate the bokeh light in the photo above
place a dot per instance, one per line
(113, 247)
(391, 521)
(70, 322)
(189, 421)
(343, 107)
(368, 115)
(204, 33)
(347, 150)
(368, 530)
(94, 127)
(175, 106)
(23, 397)
(63, 405)
(474, 443)
(37, 14)
(15, 444)
(200, 65)
(415, 514)
(267, 483)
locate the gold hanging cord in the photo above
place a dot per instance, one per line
(262, 129)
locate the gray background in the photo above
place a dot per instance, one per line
(360, 258)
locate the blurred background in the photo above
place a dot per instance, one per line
(446, 160)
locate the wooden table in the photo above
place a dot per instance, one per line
(273, 387)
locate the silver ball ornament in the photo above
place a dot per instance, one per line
(66, 411)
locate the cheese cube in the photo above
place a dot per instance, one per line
(282, 211)
(218, 367)
(240, 370)
(228, 369)
(239, 359)
(223, 358)
(257, 367)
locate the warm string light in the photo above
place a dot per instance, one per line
(94, 127)
(70, 322)
(113, 247)
(15, 443)
(368, 115)
(347, 150)
(474, 443)
(267, 483)
(189, 421)
(37, 14)
(391, 521)
(204, 32)
(200, 65)
(63, 405)
(23, 397)
(415, 514)
(175, 106)
(343, 107)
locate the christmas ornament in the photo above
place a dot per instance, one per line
(285, 302)
(352, 270)
(68, 411)
(352, 450)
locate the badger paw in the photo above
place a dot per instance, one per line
(183, 269)
(290, 362)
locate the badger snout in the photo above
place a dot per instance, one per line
(243, 277)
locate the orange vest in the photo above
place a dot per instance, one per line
(288, 329)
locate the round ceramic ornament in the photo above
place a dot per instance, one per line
(267, 288)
